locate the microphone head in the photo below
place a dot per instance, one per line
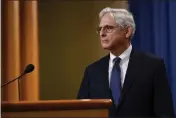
(29, 68)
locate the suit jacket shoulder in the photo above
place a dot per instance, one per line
(146, 59)
(146, 55)
(99, 63)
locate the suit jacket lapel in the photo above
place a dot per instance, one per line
(104, 72)
(132, 70)
(105, 80)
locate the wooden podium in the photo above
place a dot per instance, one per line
(84, 108)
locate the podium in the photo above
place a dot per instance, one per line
(82, 108)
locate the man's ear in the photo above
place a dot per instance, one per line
(128, 32)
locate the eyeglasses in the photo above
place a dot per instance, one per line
(106, 29)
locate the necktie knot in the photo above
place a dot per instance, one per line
(117, 60)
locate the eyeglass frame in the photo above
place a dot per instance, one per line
(105, 29)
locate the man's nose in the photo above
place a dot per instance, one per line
(102, 33)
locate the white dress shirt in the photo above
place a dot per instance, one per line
(123, 63)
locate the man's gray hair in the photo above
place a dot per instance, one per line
(122, 17)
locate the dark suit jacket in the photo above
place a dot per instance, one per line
(145, 93)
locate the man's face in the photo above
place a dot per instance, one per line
(111, 34)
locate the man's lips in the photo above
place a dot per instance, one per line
(104, 41)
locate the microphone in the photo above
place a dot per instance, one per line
(29, 68)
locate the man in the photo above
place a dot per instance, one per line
(135, 81)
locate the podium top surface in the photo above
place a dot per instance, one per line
(76, 104)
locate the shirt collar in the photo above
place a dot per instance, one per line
(125, 55)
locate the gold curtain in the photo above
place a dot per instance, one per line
(19, 48)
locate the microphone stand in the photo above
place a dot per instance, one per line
(28, 69)
(19, 90)
(12, 80)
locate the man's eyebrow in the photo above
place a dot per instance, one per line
(106, 25)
